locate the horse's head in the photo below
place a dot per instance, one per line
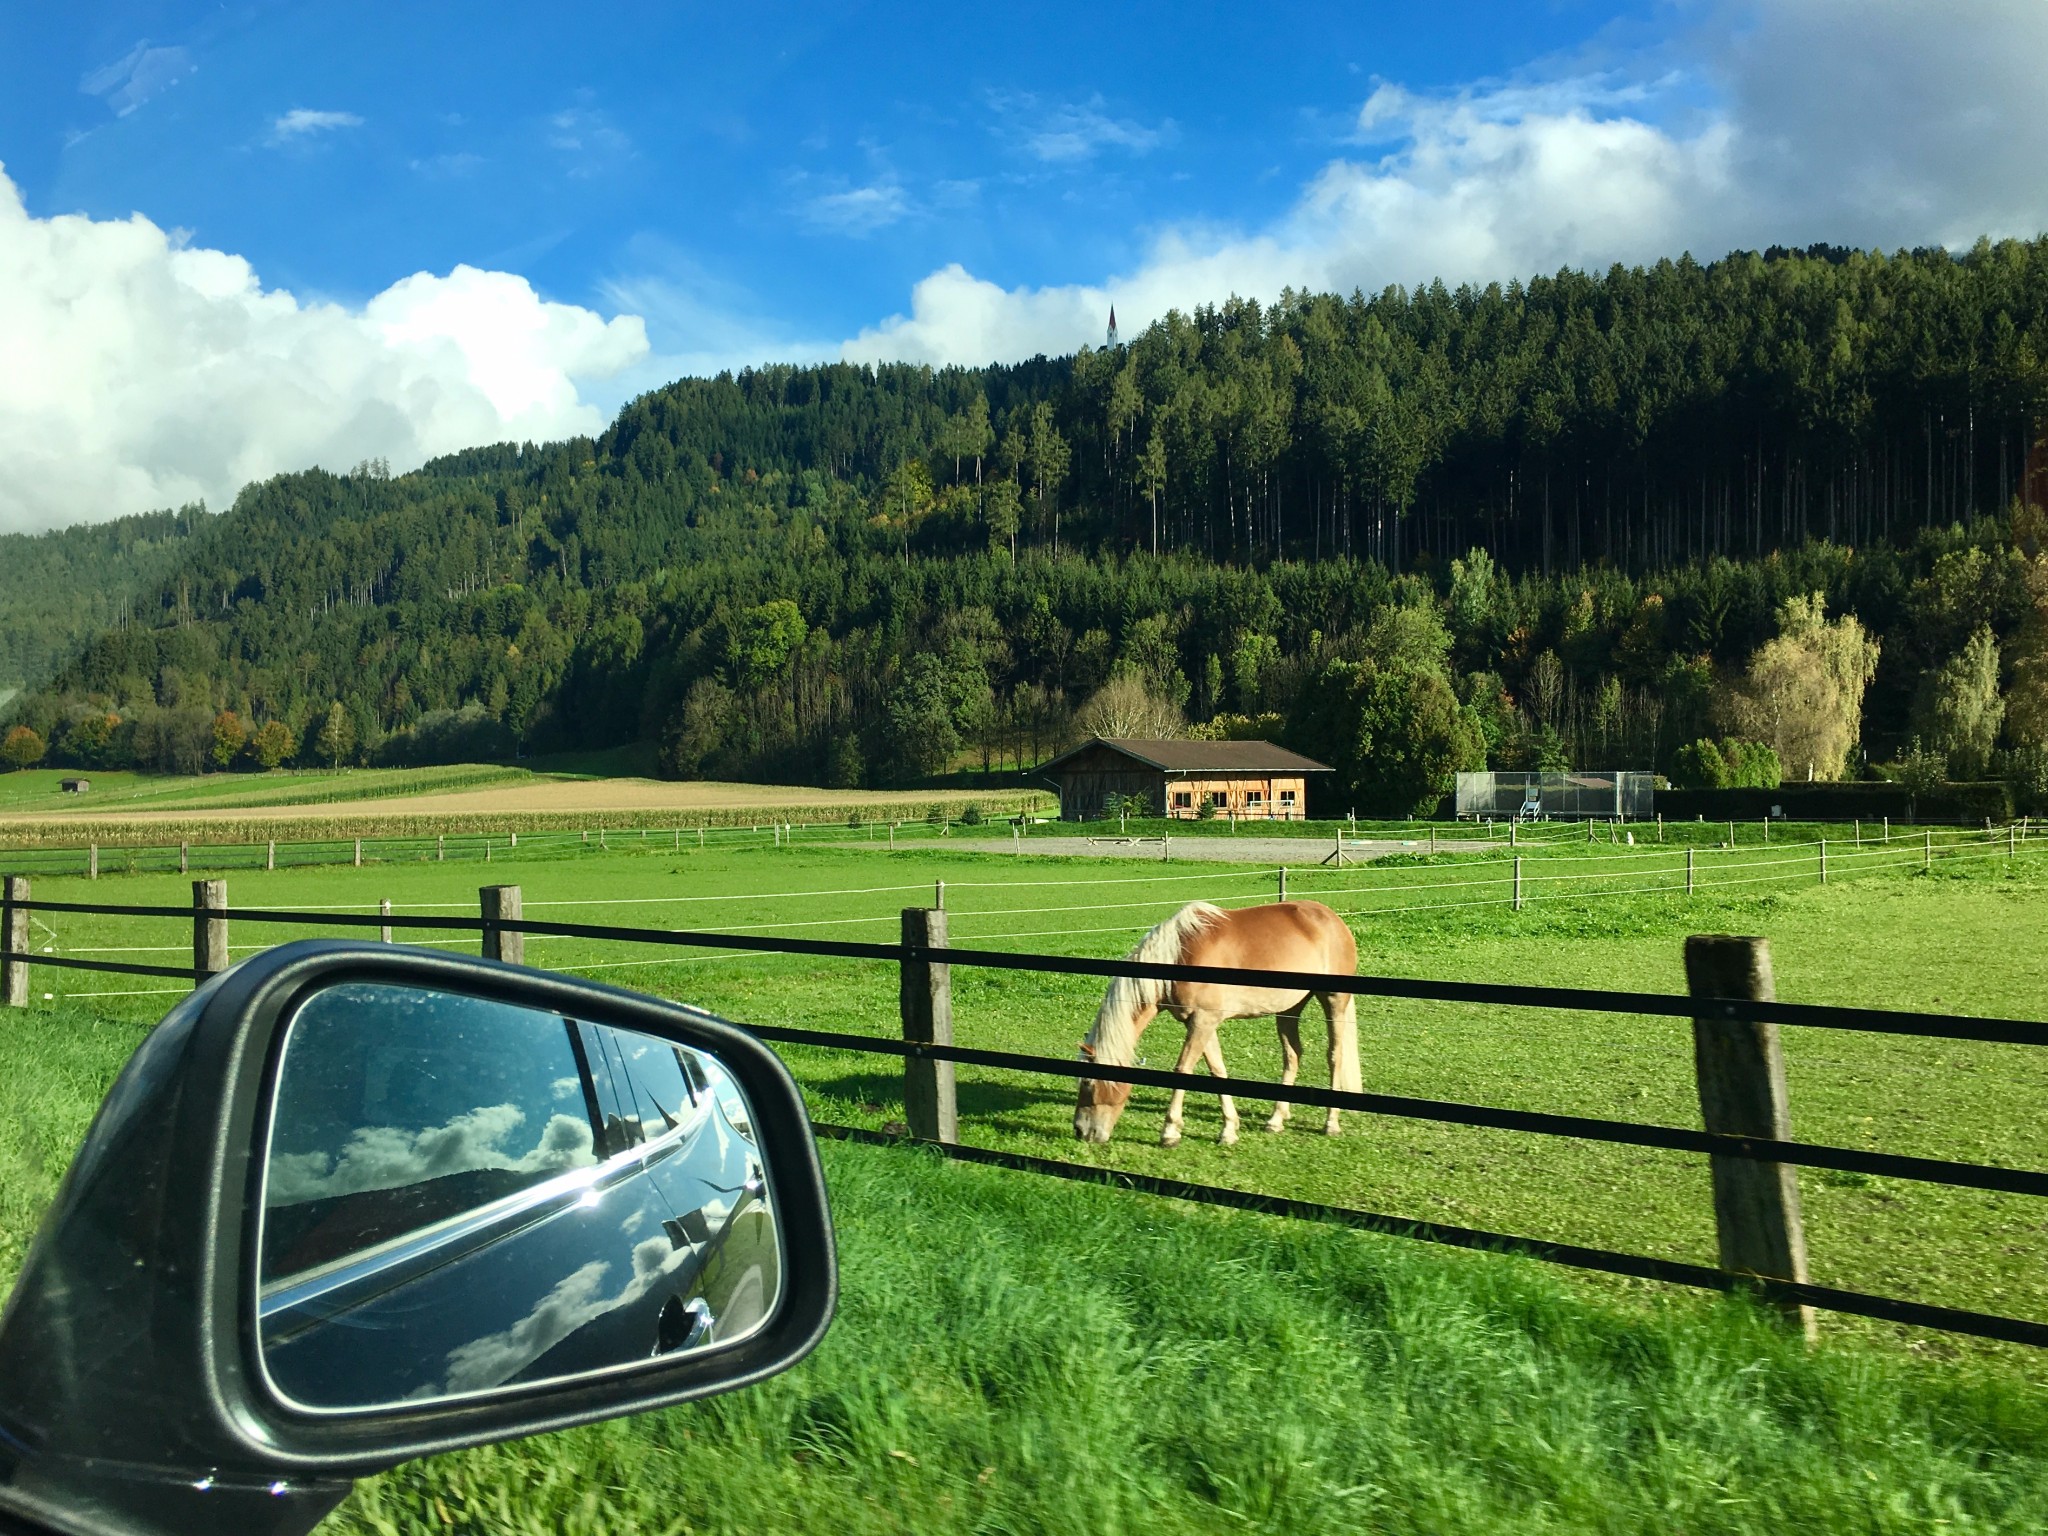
(1099, 1103)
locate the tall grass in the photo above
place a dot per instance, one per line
(1017, 1355)
(1011, 1357)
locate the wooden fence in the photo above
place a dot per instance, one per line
(1735, 1021)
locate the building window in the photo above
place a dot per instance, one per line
(1183, 799)
(1220, 798)
(1254, 798)
(1287, 803)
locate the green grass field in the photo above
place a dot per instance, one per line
(1044, 1355)
(1966, 937)
(1013, 1354)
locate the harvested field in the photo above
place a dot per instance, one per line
(563, 797)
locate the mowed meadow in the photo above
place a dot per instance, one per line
(1014, 1353)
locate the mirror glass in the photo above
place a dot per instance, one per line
(462, 1195)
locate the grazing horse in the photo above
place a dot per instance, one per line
(1281, 936)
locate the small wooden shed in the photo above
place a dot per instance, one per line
(74, 786)
(1248, 779)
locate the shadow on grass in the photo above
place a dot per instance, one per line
(975, 1097)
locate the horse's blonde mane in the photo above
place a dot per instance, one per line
(1113, 1041)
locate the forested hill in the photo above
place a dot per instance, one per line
(58, 589)
(852, 574)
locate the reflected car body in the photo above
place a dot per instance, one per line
(660, 1239)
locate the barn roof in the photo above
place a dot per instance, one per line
(1200, 756)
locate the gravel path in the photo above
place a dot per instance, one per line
(1296, 852)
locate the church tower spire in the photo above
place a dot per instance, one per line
(1112, 325)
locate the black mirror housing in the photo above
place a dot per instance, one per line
(131, 1396)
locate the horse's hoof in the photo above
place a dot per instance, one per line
(1276, 1125)
(1229, 1136)
(1169, 1138)
(1332, 1130)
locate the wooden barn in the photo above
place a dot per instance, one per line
(1250, 779)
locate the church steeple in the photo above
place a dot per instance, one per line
(1112, 325)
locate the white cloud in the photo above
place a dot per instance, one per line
(388, 1157)
(138, 372)
(1789, 121)
(858, 210)
(137, 75)
(588, 140)
(302, 122)
(1068, 132)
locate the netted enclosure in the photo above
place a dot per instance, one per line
(1554, 793)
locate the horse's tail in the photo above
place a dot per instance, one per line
(1112, 1040)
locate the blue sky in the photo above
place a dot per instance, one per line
(796, 166)
(244, 237)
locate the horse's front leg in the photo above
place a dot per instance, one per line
(1212, 1053)
(1200, 1027)
(1288, 1021)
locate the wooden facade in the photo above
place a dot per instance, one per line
(1253, 780)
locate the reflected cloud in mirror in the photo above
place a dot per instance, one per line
(462, 1195)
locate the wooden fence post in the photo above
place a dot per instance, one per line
(92, 861)
(929, 1109)
(1518, 882)
(1823, 861)
(1688, 871)
(14, 940)
(501, 904)
(184, 858)
(384, 911)
(359, 853)
(939, 894)
(1927, 849)
(440, 848)
(209, 928)
(270, 854)
(1741, 1076)
(1283, 882)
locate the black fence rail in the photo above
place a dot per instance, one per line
(1734, 1017)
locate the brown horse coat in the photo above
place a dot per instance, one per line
(1281, 936)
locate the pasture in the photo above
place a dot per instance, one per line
(1965, 937)
(1019, 1354)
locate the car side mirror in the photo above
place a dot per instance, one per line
(351, 1204)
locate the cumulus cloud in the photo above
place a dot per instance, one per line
(1855, 121)
(389, 1157)
(137, 371)
(302, 122)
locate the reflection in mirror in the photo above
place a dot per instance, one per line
(462, 1195)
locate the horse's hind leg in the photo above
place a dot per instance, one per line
(1288, 1021)
(1341, 1011)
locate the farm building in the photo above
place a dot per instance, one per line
(74, 786)
(1177, 778)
